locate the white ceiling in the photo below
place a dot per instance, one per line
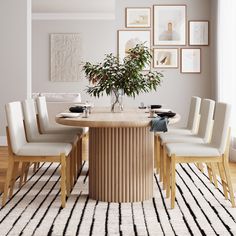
(73, 6)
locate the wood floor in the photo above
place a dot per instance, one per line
(3, 164)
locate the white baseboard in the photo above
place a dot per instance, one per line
(3, 141)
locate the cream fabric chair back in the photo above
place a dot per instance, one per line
(30, 119)
(193, 117)
(16, 127)
(206, 119)
(221, 126)
(42, 113)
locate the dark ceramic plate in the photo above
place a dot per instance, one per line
(77, 109)
(166, 114)
(155, 106)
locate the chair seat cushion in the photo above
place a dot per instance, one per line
(66, 130)
(191, 149)
(178, 138)
(44, 149)
(179, 131)
(53, 138)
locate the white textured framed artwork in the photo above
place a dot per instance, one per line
(198, 33)
(165, 58)
(191, 60)
(128, 39)
(138, 17)
(169, 24)
(65, 57)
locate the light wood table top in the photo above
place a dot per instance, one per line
(103, 117)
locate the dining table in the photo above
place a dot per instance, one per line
(121, 153)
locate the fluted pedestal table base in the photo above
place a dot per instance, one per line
(121, 164)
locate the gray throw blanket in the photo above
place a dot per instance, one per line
(159, 124)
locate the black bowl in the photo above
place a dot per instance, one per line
(77, 109)
(155, 106)
(142, 107)
(169, 114)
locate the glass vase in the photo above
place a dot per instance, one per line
(117, 100)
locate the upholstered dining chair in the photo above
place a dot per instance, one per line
(191, 128)
(46, 127)
(203, 136)
(216, 151)
(21, 151)
(33, 135)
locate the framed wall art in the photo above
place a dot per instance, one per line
(128, 39)
(165, 58)
(138, 17)
(190, 60)
(198, 33)
(65, 57)
(169, 24)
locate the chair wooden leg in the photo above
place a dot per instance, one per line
(213, 171)
(200, 166)
(209, 173)
(75, 165)
(173, 176)
(63, 180)
(22, 176)
(157, 154)
(8, 180)
(35, 166)
(223, 180)
(164, 166)
(161, 163)
(14, 176)
(38, 165)
(26, 172)
(69, 176)
(229, 183)
(168, 175)
(79, 151)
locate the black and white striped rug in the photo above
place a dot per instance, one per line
(35, 209)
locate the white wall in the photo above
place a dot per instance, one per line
(73, 6)
(14, 48)
(213, 46)
(99, 37)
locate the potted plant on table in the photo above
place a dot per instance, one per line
(122, 78)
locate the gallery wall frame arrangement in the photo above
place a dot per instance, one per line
(65, 57)
(190, 60)
(171, 31)
(138, 17)
(128, 39)
(169, 25)
(198, 32)
(166, 58)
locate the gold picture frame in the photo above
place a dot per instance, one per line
(138, 17)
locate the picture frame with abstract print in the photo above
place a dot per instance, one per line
(198, 32)
(65, 57)
(169, 24)
(165, 58)
(190, 60)
(138, 17)
(128, 39)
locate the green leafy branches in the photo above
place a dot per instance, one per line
(111, 75)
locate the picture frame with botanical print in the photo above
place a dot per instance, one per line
(198, 32)
(128, 39)
(138, 17)
(190, 60)
(165, 58)
(169, 25)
